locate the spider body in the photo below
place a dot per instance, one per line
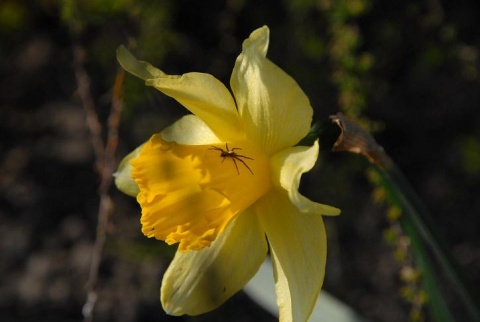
(234, 156)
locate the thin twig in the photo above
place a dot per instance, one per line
(105, 163)
(113, 124)
(83, 91)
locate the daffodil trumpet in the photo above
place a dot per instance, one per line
(226, 217)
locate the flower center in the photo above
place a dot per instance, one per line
(189, 193)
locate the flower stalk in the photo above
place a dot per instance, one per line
(417, 222)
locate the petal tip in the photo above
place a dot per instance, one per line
(258, 40)
(138, 68)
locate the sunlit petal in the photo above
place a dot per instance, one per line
(202, 94)
(275, 111)
(287, 168)
(190, 130)
(299, 247)
(123, 176)
(197, 282)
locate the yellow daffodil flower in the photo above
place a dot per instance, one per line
(223, 184)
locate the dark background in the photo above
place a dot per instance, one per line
(408, 69)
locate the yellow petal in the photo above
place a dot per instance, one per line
(287, 168)
(258, 41)
(190, 130)
(206, 97)
(202, 94)
(135, 67)
(275, 111)
(123, 176)
(189, 193)
(299, 247)
(198, 282)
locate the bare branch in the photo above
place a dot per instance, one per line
(105, 163)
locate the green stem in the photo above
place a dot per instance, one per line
(353, 138)
(419, 223)
(436, 303)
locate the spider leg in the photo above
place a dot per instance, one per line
(233, 149)
(243, 156)
(236, 167)
(244, 163)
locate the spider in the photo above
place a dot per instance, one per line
(227, 153)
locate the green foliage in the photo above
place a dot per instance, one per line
(349, 67)
(469, 151)
(12, 15)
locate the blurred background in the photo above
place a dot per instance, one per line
(409, 70)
